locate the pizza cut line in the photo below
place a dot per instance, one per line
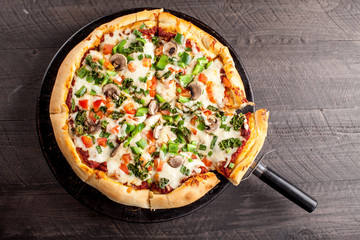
(144, 110)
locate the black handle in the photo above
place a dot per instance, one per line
(287, 189)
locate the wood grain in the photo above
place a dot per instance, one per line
(302, 58)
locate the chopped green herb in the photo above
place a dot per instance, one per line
(213, 141)
(72, 104)
(184, 170)
(163, 182)
(148, 56)
(140, 57)
(104, 123)
(137, 33)
(202, 147)
(230, 143)
(210, 153)
(142, 26)
(104, 134)
(155, 40)
(141, 40)
(237, 121)
(93, 92)
(225, 127)
(115, 115)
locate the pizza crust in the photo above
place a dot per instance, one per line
(119, 192)
(258, 123)
(190, 191)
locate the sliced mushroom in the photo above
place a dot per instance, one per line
(153, 107)
(119, 61)
(214, 124)
(176, 161)
(156, 132)
(170, 49)
(111, 90)
(116, 150)
(92, 127)
(195, 89)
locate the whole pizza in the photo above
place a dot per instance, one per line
(144, 110)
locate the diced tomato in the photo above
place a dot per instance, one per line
(150, 136)
(165, 112)
(88, 142)
(226, 82)
(152, 149)
(173, 70)
(131, 67)
(92, 116)
(209, 90)
(129, 108)
(124, 168)
(159, 50)
(207, 112)
(149, 168)
(84, 103)
(188, 43)
(158, 164)
(151, 86)
(186, 93)
(108, 64)
(107, 48)
(126, 158)
(194, 131)
(115, 129)
(100, 114)
(97, 104)
(147, 62)
(193, 156)
(203, 78)
(193, 120)
(207, 162)
(102, 142)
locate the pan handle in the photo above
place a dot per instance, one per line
(287, 189)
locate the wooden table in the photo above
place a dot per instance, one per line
(303, 60)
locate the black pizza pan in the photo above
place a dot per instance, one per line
(81, 191)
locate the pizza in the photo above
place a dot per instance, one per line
(144, 110)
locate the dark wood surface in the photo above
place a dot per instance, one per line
(303, 60)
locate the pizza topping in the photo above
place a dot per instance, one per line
(153, 107)
(176, 161)
(119, 61)
(213, 125)
(170, 49)
(111, 90)
(195, 89)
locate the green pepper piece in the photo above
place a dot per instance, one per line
(159, 98)
(201, 126)
(185, 79)
(198, 69)
(120, 46)
(213, 141)
(164, 148)
(202, 61)
(136, 150)
(141, 111)
(185, 58)
(81, 92)
(142, 143)
(208, 64)
(161, 64)
(168, 118)
(129, 128)
(82, 72)
(173, 147)
(111, 73)
(138, 129)
(179, 38)
(191, 147)
(183, 99)
(231, 165)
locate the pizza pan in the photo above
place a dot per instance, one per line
(81, 191)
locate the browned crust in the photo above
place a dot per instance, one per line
(119, 192)
(190, 191)
(258, 123)
(67, 146)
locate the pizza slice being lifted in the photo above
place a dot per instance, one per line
(144, 110)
